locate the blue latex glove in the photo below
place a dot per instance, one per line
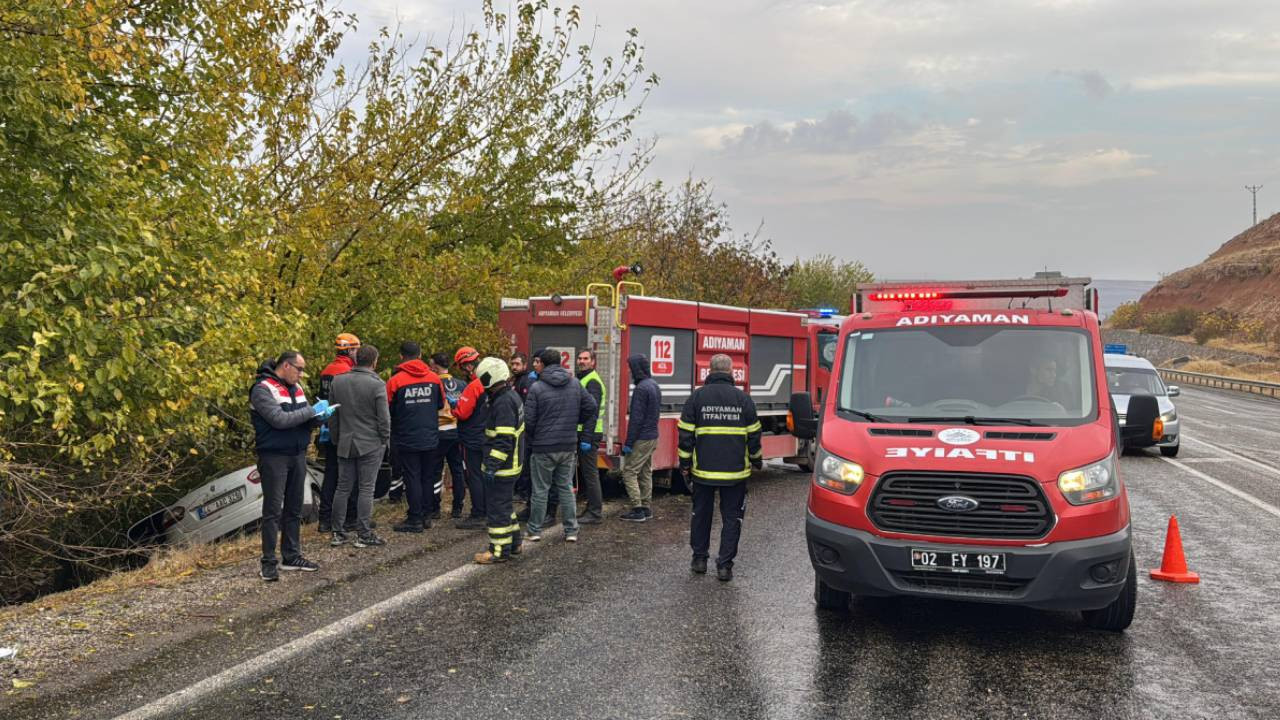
(321, 408)
(584, 446)
(324, 435)
(626, 449)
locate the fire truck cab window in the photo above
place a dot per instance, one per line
(1043, 375)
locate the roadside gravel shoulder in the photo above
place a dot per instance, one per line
(71, 639)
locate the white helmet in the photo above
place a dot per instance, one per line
(492, 371)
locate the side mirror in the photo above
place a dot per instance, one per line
(1174, 391)
(801, 419)
(1142, 424)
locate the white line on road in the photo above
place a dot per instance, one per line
(257, 665)
(1207, 460)
(1266, 506)
(1261, 465)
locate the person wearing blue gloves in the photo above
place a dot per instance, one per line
(641, 441)
(282, 424)
(555, 409)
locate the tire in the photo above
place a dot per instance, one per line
(1170, 451)
(1117, 616)
(829, 598)
(805, 468)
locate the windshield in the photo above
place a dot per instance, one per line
(974, 374)
(1134, 381)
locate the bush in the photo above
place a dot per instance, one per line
(1219, 322)
(1128, 316)
(1173, 322)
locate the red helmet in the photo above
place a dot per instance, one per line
(466, 354)
(346, 341)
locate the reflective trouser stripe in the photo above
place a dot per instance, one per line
(684, 454)
(496, 453)
(686, 426)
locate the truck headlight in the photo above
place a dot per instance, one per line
(835, 473)
(1169, 416)
(1091, 483)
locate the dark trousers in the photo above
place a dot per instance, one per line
(329, 485)
(419, 488)
(473, 457)
(589, 481)
(450, 451)
(504, 528)
(733, 506)
(283, 478)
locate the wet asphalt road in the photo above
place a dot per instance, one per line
(617, 627)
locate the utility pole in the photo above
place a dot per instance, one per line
(1254, 189)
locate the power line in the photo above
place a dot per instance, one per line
(1254, 189)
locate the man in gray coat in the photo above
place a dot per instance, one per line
(361, 432)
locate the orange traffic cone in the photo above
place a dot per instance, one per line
(1174, 566)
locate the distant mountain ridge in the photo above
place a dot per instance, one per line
(1242, 276)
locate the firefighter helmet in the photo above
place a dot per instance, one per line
(346, 341)
(466, 354)
(492, 371)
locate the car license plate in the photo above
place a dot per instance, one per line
(958, 562)
(226, 499)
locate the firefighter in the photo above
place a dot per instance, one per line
(503, 449)
(471, 411)
(719, 446)
(588, 473)
(345, 347)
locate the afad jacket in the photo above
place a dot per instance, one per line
(719, 433)
(416, 397)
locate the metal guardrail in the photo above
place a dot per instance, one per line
(1257, 387)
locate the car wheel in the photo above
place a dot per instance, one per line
(829, 598)
(1119, 614)
(1170, 451)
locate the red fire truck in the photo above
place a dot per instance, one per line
(776, 355)
(968, 450)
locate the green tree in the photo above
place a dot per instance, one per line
(824, 281)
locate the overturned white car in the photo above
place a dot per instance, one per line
(228, 505)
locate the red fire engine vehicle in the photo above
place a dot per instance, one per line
(776, 354)
(968, 448)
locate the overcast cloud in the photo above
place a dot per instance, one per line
(956, 137)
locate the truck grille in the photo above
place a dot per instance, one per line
(1009, 506)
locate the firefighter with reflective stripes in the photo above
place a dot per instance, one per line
(719, 445)
(503, 449)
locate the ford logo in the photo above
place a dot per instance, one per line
(957, 503)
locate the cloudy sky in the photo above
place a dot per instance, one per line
(964, 138)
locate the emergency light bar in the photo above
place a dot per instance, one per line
(940, 295)
(1046, 291)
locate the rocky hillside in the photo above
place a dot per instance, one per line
(1242, 276)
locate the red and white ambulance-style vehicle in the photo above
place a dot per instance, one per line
(776, 355)
(967, 449)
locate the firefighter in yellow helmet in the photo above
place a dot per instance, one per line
(503, 449)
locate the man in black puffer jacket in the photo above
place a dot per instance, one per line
(555, 408)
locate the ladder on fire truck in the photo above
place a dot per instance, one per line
(604, 337)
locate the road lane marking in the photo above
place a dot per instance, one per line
(1264, 505)
(1207, 460)
(1261, 465)
(259, 664)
